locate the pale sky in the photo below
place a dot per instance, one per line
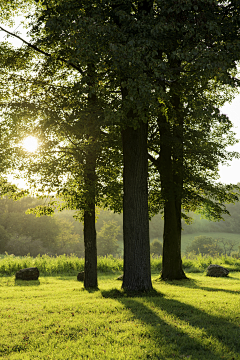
(231, 174)
(228, 174)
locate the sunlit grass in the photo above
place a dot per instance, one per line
(55, 318)
(49, 265)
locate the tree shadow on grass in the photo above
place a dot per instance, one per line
(91, 290)
(116, 293)
(194, 284)
(66, 277)
(195, 340)
(27, 282)
(218, 327)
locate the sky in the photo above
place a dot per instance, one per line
(231, 174)
(228, 174)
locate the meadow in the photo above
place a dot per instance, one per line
(56, 318)
(70, 265)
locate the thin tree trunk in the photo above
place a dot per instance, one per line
(90, 240)
(137, 270)
(90, 178)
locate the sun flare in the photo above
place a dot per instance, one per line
(30, 144)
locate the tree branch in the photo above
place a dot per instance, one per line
(153, 160)
(41, 51)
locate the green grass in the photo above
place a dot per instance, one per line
(55, 318)
(199, 263)
(49, 265)
(71, 265)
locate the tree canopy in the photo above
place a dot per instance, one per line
(117, 82)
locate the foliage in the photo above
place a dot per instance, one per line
(235, 254)
(68, 241)
(20, 245)
(107, 242)
(4, 238)
(156, 247)
(22, 233)
(164, 62)
(206, 245)
(14, 224)
(229, 224)
(197, 319)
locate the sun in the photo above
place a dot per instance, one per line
(30, 144)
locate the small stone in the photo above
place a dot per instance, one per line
(80, 276)
(27, 274)
(120, 277)
(217, 271)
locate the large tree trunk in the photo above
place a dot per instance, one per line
(171, 184)
(137, 270)
(90, 240)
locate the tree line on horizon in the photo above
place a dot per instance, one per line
(124, 97)
(22, 233)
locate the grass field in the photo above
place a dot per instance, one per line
(55, 318)
(71, 265)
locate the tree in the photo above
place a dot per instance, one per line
(138, 240)
(203, 150)
(107, 243)
(194, 61)
(152, 59)
(4, 239)
(227, 246)
(71, 154)
(17, 226)
(156, 247)
(23, 233)
(81, 142)
(204, 245)
(68, 241)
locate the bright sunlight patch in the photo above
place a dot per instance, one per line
(30, 144)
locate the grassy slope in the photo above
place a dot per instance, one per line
(55, 318)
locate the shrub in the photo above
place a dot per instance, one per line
(156, 247)
(107, 243)
(23, 245)
(205, 245)
(235, 254)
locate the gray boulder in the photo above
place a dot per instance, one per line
(27, 274)
(217, 271)
(80, 276)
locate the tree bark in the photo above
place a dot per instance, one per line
(137, 270)
(90, 178)
(90, 239)
(171, 174)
